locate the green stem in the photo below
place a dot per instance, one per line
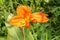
(46, 36)
(22, 31)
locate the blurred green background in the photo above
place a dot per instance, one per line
(50, 7)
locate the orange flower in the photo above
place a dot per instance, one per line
(39, 17)
(24, 17)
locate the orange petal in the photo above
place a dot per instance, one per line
(34, 21)
(27, 25)
(43, 17)
(35, 17)
(23, 10)
(39, 17)
(17, 21)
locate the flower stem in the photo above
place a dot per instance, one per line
(46, 36)
(22, 31)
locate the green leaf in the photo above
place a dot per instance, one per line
(14, 34)
(28, 35)
(2, 38)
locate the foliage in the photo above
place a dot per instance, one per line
(39, 31)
